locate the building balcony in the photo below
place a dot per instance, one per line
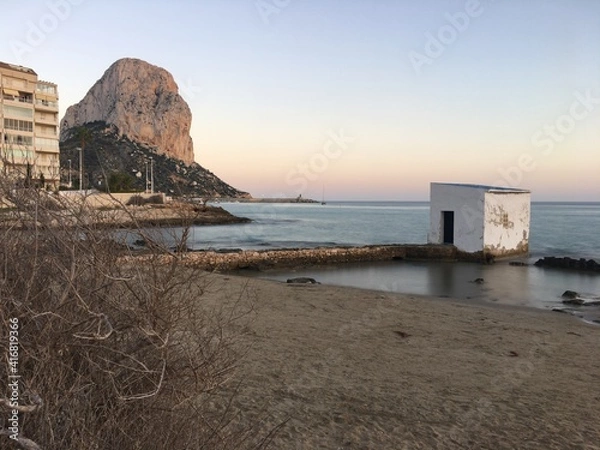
(47, 120)
(48, 150)
(46, 105)
(10, 99)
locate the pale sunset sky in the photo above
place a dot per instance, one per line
(366, 100)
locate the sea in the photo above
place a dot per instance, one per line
(557, 229)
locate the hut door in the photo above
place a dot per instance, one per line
(448, 226)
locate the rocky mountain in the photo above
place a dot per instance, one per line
(109, 158)
(143, 102)
(131, 114)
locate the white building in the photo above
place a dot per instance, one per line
(488, 220)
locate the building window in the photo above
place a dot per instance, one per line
(18, 125)
(15, 111)
(17, 139)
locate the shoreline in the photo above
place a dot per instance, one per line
(261, 200)
(352, 368)
(123, 217)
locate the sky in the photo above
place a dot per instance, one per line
(349, 99)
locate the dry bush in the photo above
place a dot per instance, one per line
(138, 200)
(112, 354)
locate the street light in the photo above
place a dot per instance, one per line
(70, 176)
(151, 175)
(80, 168)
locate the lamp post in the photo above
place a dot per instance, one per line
(146, 185)
(151, 175)
(80, 168)
(70, 176)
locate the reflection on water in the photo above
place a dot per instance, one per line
(502, 283)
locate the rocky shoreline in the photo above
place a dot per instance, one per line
(169, 216)
(582, 264)
(130, 217)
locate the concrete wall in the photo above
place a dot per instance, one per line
(506, 223)
(269, 259)
(467, 204)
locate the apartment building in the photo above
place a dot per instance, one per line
(28, 126)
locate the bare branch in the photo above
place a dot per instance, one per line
(37, 404)
(128, 398)
(23, 442)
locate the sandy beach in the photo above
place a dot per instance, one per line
(344, 368)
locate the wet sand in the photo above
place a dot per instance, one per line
(345, 368)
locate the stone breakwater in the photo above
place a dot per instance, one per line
(269, 259)
(569, 263)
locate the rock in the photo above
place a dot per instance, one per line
(570, 295)
(142, 101)
(106, 152)
(305, 280)
(517, 263)
(478, 281)
(574, 301)
(569, 263)
(574, 298)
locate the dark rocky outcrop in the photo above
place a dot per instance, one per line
(108, 152)
(569, 263)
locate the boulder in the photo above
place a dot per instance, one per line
(570, 295)
(303, 280)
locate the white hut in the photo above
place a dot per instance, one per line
(475, 218)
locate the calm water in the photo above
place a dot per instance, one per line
(557, 229)
(566, 229)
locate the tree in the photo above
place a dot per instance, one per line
(120, 182)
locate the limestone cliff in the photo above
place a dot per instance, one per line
(142, 101)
